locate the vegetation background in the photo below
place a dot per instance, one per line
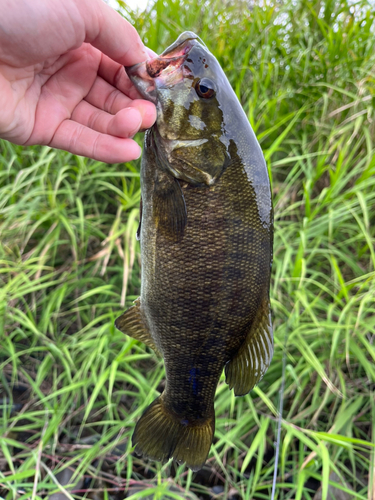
(72, 387)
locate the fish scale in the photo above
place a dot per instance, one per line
(206, 250)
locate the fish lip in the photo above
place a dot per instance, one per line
(142, 81)
(156, 66)
(183, 44)
(148, 75)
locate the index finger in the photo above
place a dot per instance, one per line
(115, 74)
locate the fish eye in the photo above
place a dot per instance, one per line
(205, 88)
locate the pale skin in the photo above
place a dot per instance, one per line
(62, 78)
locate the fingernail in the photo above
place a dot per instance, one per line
(139, 153)
(134, 116)
(151, 54)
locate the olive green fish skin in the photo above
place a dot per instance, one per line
(200, 295)
(206, 242)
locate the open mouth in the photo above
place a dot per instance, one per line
(163, 71)
(155, 67)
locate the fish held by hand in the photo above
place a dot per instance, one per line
(206, 238)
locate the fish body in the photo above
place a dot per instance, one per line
(206, 247)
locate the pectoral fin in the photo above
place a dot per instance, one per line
(131, 323)
(169, 210)
(252, 360)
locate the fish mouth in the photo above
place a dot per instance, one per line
(165, 70)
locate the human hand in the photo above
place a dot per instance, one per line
(62, 80)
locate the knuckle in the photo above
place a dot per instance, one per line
(94, 120)
(119, 77)
(110, 100)
(96, 147)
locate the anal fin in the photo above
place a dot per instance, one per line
(250, 363)
(131, 323)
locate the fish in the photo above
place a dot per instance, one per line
(206, 237)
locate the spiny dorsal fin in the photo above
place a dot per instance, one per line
(131, 323)
(250, 363)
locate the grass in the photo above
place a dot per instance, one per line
(72, 387)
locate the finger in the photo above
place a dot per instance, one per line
(111, 33)
(115, 74)
(147, 110)
(104, 96)
(151, 53)
(125, 123)
(80, 140)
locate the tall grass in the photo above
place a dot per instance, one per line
(72, 387)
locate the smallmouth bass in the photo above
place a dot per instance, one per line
(206, 235)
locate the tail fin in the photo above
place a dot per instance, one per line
(160, 435)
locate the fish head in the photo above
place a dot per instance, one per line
(197, 110)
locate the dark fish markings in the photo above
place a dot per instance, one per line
(193, 379)
(206, 240)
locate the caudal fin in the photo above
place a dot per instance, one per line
(160, 435)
